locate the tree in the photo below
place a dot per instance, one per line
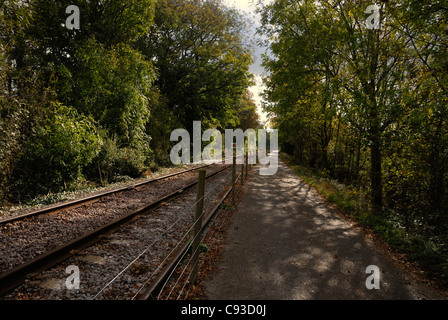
(202, 62)
(338, 60)
(425, 24)
(246, 112)
(119, 84)
(55, 155)
(95, 72)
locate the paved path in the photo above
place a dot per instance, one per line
(285, 243)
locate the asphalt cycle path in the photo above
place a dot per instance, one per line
(284, 243)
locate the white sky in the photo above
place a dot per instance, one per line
(249, 6)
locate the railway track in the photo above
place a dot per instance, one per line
(158, 285)
(44, 259)
(93, 198)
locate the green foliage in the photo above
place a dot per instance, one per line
(369, 109)
(417, 247)
(114, 163)
(99, 103)
(245, 114)
(226, 206)
(334, 79)
(367, 106)
(202, 247)
(12, 119)
(113, 85)
(53, 158)
(202, 62)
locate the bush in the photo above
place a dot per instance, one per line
(13, 118)
(113, 162)
(62, 144)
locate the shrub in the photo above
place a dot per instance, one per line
(113, 162)
(62, 144)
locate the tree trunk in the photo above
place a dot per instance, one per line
(436, 188)
(375, 125)
(358, 159)
(376, 183)
(375, 169)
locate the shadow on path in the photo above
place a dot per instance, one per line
(286, 244)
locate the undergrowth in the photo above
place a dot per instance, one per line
(429, 253)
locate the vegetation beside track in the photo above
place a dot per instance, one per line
(418, 247)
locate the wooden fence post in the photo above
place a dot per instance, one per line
(247, 161)
(197, 226)
(233, 180)
(242, 169)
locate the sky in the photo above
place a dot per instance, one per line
(249, 6)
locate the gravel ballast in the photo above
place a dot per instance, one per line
(120, 264)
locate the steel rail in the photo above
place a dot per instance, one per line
(94, 198)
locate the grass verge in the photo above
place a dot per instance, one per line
(430, 256)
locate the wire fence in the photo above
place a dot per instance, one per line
(183, 277)
(186, 235)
